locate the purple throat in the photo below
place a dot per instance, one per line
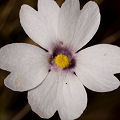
(65, 51)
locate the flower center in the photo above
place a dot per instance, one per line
(62, 61)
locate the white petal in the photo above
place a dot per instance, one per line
(72, 97)
(37, 24)
(43, 98)
(68, 17)
(87, 25)
(60, 91)
(50, 10)
(28, 64)
(96, 66)
(103, 56)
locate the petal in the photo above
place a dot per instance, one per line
(27, 63)
(39, 25)
(96, 66)
(43, 98)
(72, 97)
(60, 91)
(68, 17)
(87, 25)
(49, 9)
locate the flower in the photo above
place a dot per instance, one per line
(54, 76)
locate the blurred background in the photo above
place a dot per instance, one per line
(101, 106)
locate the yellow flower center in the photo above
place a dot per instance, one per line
(62, 61)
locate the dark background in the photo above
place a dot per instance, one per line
(101, 106)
